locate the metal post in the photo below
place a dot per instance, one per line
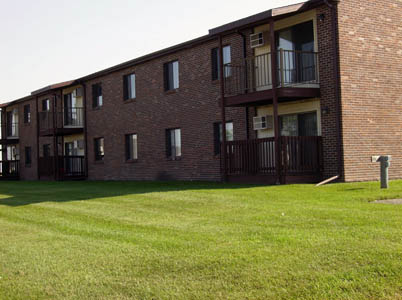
(274, 71)
(385, 162)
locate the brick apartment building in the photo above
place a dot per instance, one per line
(320, 102)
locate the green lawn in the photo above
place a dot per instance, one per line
(125, 240)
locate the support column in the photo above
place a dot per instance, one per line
(37, 137)
(274, 72)
(223, 113)
(55, 147)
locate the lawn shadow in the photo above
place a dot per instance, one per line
(21, 193)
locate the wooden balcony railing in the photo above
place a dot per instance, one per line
(66, 118)
(67, 166)
(299, 156)
(9, 169)
(252, 74)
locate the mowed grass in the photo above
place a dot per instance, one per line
(126, 240)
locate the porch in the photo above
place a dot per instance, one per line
(62, 167)
(255, 161)
(9, 170)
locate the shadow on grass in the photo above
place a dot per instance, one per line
(21, 193)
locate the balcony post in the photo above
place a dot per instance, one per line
(281, 70)
(274, 71)
(223, 115)
(37, 137)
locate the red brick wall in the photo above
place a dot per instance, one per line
(371, 67)
(193, 108)
(27, 138)
(328, 99)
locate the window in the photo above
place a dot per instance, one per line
(227, 59)
(131, 147)
(304, 124)
(28, 156)
(46, 150)
(99, 149)
(13, 152)
(97, 95)
(27, 114)
(173, 143)
(171, 73)
(45, 105)
(218, 135)
(129, 86)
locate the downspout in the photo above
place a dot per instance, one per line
(336, 70)
(223, 116)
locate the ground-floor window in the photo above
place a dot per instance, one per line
(46, 150)
(173, 143)
(99, 149)
(131, 147)
(28, 156)
(218, 135)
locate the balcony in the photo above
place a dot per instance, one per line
(249, 80)
(9, 170)
(64, 167)
(9, 133)
(255, 160)
(64, 122)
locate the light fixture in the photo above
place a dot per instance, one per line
(321, 17)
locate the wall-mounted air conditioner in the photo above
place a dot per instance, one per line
(263, 122)
(258, 39)
(80, 144)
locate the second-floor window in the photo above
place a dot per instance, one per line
(173, 143)
(97, 97)
(28, 156)
(129, 86)
(171, 75)
(227, 59)
(99, 149)
(27, 114)
(131, 147)
(218, 135)
(45, 105)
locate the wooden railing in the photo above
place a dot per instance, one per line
(251, 74)
(299, 156)
(9, 169)
(67, 117)
(251, 157)
(67, 166)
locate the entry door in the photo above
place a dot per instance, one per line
(298, 58)
(69, 151)
(70, 110)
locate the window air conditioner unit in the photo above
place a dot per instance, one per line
(258, 39)
(79, 92)
(263, 122)
(80, 144)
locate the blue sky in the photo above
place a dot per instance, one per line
(49, 41)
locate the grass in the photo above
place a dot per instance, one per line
(125, 240)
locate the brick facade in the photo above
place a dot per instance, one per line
(194, 108)
(367, 122)
(371, 67)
